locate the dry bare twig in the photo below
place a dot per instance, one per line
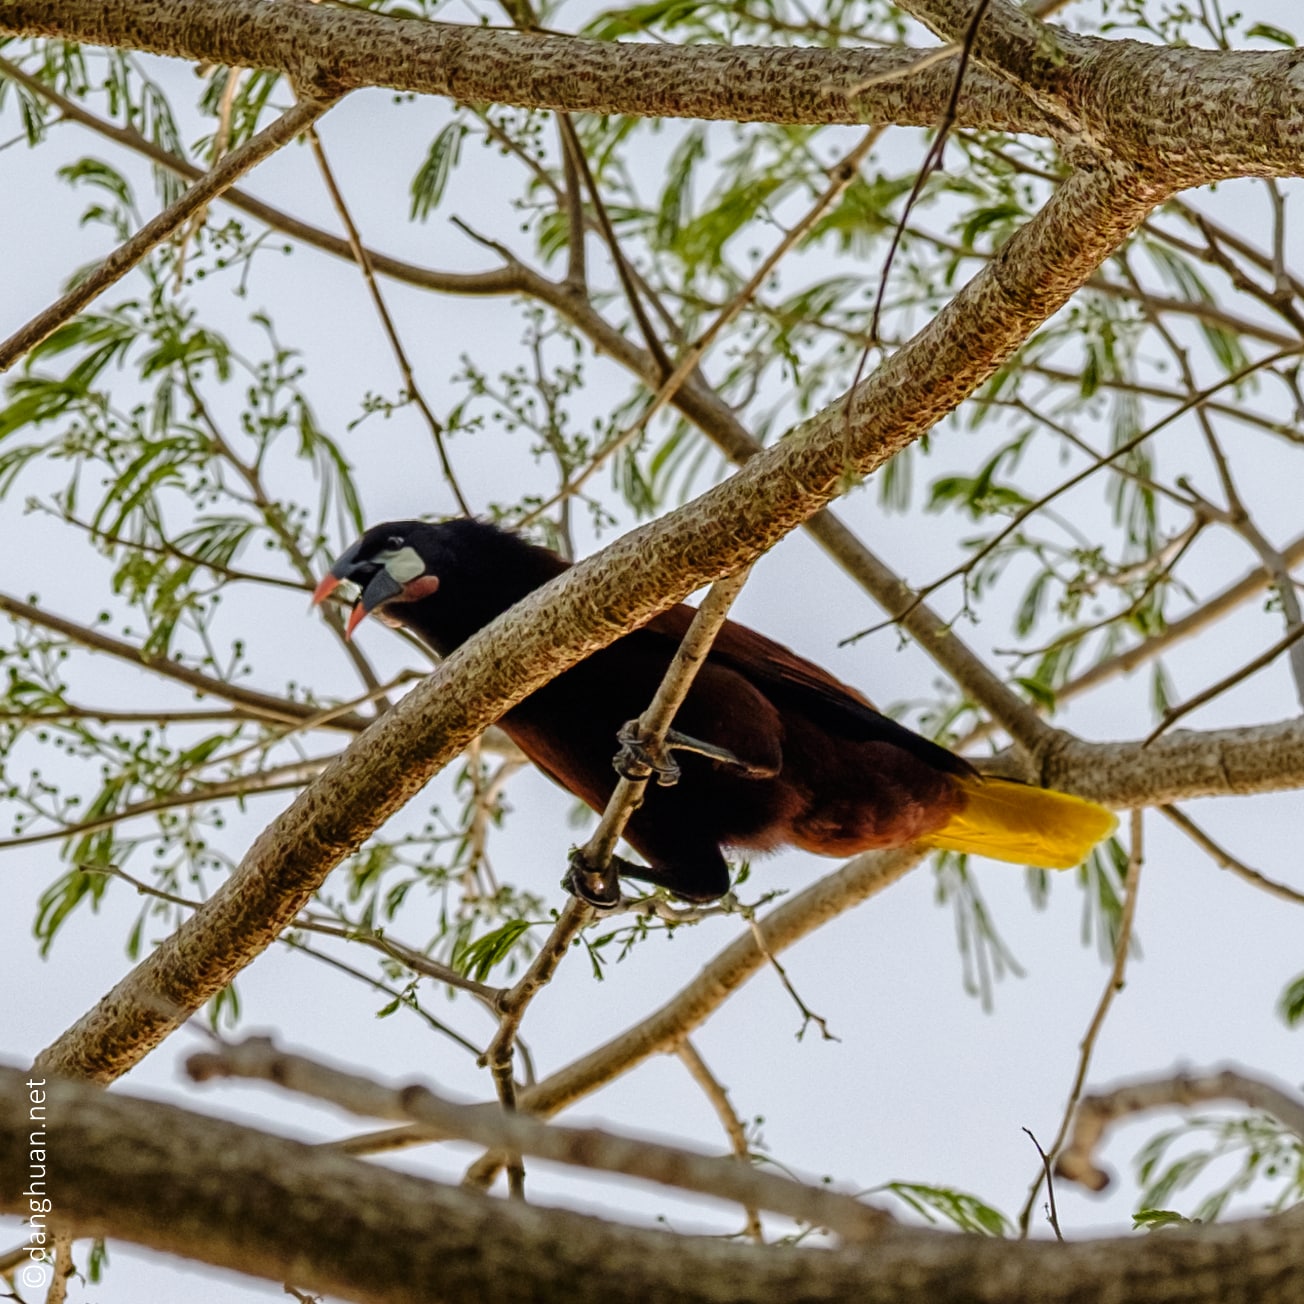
(1077, 1160)
(1220, 856)
(1113, 986)
(258, 1059)
(363, 259)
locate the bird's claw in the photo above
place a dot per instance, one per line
(600, 888)
(641, 756)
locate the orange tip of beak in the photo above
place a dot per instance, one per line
(328, 585)
(356, 617)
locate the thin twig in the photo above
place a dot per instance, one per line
(1220, 856)
(660, 714)
(932, 160)
(164, 548)
(417, 961)
(111, 715)
(1122, 945)
(1238, 516)
(128, 255)
(221, 142)
(1052, 1214)
(318, 721)
(718, 1096)
(577, 274)
(409, 956)
(597, 852)
(369, 980)
(1265, 658)
(623, 269)
(808, 1016)
(363, 259)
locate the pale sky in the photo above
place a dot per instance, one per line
(922, 1084)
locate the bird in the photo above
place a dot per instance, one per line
(776, 751)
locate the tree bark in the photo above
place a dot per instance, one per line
(268, 1207)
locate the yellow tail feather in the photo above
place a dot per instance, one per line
(1030, 826)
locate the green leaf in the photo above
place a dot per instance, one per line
(1290, 1004)
(477, 958)
(967, 1212)
(1152, 1219)
(677, 194)
(224, 1009)
(61, 898)
(431, 178)
(615, 23)
(1266, 32)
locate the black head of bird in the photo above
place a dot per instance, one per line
(444, 580)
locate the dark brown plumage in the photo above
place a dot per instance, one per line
(815, 766)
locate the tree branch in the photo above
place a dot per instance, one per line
(1209, 114)
(162, 1177)
(337, 48)
(258, 1059)
(1077, 1163)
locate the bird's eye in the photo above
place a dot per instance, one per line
(394, 543)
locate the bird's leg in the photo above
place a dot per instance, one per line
(640, 757)
(599, 887)
(679, 742)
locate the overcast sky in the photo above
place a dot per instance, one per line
(922, 1084)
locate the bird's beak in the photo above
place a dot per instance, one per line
(329, 583)
(375, 585)
(382, 587)
(401, 575)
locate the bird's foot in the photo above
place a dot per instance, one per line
(600, 888)
(641, 757)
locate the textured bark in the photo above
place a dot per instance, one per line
(633, 579)
(334, 49)
(277, 1209)
(1206, 114)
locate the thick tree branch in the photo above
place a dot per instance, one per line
(163, 1178)
(1179, 127)
(1078, 1163)
(1207, 114)
(336, 49)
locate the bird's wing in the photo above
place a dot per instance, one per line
(792, 681)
